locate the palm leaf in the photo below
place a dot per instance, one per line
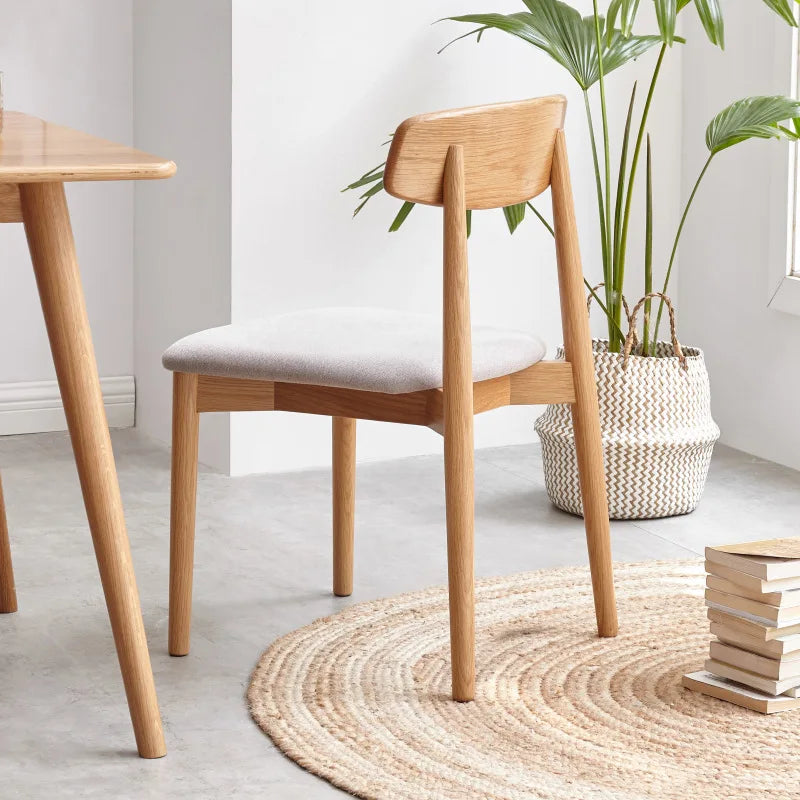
(711, 16)
(784, 9)
(629, 9)
(373, 190)
(365, 180)
(404, 211)
(666, 11)
(751, 118)
(626, 11)
(559, 30)
(368, 177)
(514, 215)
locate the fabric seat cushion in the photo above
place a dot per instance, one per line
(372, 349)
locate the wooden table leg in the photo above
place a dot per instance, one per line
(8, 594)
(47, 225)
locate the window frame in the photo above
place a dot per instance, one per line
(784, 249)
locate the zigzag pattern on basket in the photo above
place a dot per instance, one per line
(657, 430)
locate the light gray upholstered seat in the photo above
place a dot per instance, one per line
(372, 349)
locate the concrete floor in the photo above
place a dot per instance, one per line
(262, 569)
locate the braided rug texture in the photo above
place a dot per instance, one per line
(657, 429)
(361, 698)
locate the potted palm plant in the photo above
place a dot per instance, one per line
(658, 433)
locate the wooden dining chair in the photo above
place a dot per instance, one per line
(436, 371)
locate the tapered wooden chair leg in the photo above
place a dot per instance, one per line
(589, 447)
(459, 491)
(585, 410)
(8, 594)
(459, 470)
(344, 491)
(183, 501)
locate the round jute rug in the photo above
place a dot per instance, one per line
(361, 698)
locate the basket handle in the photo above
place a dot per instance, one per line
(630, 339)
(624, 306)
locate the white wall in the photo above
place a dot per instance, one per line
(182, 109)
(70, 62)
(751, 350)
(315, 91)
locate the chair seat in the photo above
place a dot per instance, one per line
(371, 349)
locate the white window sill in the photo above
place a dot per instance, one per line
(786, 297)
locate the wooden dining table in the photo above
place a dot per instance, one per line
(36, 159)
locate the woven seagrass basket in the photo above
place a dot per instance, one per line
(657, 430)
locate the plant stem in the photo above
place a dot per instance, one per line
(592, 292)
(609, 265)
(602, 215)
(620, 266)
(623, 162)
(541, 218)
(648, 252)
(677, 239)
(604, 309)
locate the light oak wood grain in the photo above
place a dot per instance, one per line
(234, 394)
(344, 501)
(585, 409)
(459, 477)
(47, 225)
(32, 150)
(468, 158)
(508, 148)
(183, 502)
(10, 209)
(8, 594)
(410, 409)
(545, 382)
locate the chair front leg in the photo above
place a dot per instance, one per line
(183, 500)
(344, 488)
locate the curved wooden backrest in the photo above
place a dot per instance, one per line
(508, 149)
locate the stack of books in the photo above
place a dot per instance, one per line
(753, 599)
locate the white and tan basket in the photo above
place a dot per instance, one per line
(657, 430)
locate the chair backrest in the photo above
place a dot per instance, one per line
(508, 150)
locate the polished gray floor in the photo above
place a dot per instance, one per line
(262, 568)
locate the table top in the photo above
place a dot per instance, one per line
(32, 150)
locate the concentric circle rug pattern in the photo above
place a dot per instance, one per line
(361, 698)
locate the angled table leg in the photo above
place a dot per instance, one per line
(47, 225)
(8, 595)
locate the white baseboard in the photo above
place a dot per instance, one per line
(35, 406)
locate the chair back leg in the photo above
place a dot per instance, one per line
(183, 500)
(585, 410)
(344, 498)
(459, 475)
(8, 594)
